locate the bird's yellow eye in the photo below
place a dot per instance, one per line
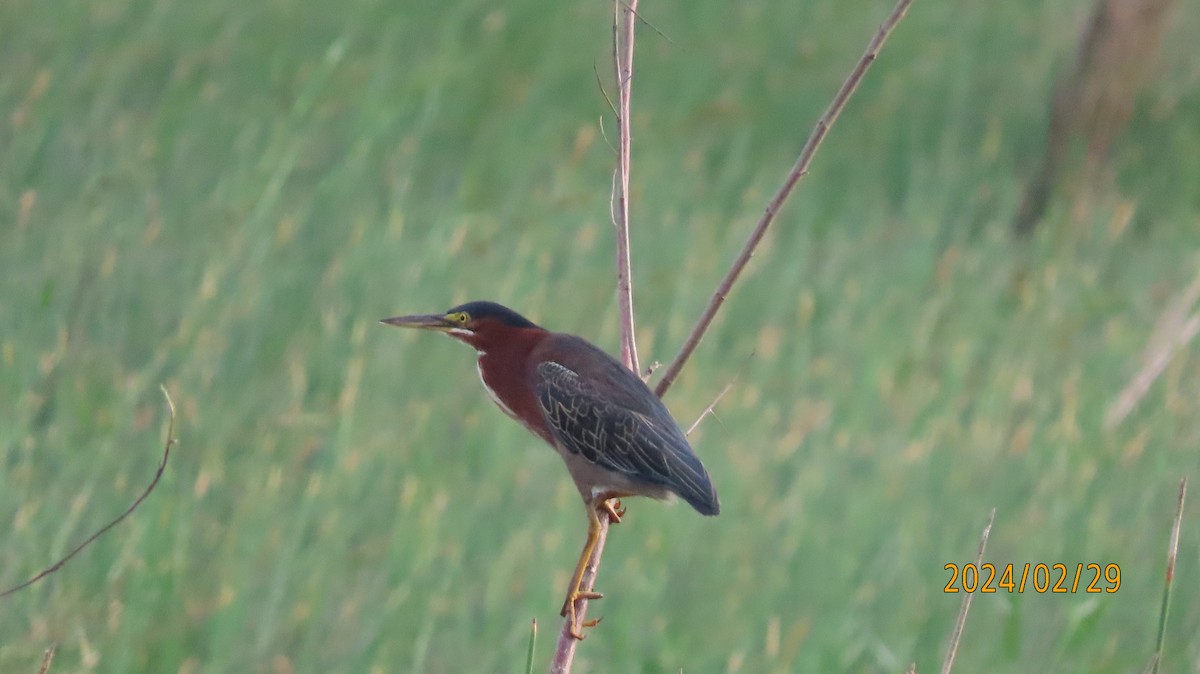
(459, 317)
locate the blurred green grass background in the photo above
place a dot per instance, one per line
(223, 197)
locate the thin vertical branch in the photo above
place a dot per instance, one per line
(961, 621)
(798, 171)
(624, 21)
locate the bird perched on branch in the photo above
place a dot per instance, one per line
(616, 437)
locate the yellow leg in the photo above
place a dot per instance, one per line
(574, 593)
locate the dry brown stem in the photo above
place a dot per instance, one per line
(798, 171)
(162, 465)
(961, 621)
(624, 21)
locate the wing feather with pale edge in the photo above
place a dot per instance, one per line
(618, 438)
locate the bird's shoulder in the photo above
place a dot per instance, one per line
(595, 371)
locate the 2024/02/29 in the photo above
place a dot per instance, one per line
(1041, 578)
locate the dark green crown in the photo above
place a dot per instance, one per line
(499, 312)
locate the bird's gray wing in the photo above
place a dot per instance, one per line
(607, 433)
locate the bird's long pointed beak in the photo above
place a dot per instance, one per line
(420, 321)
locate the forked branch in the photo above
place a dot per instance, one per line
(625, 18)
(798, 171)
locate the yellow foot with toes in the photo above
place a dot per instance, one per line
(578, 633)
(569, 606)
(614, 509)
(568, 611)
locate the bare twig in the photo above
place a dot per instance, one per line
(607, 99)
(1172, 554)
(649, 371)
(798, 171)
(961, 621)
(624, 21)
(709, 410)
(712, 406)
(47, 658)
(162, 465)
(648, 24)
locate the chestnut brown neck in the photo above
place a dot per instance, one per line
(502, 366)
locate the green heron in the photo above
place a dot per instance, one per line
(616, 437)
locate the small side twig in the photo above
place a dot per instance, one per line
(1172, 554)
(798, 171)
(648, 24)
(711, 409)
(607, 99)
(162, 465)
(649, 371)
(961, 622)
(711, 406)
